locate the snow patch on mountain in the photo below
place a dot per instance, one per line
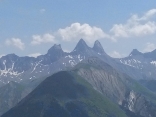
(153, 63)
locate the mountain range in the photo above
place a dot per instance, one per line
(127, 84)
(19, 69)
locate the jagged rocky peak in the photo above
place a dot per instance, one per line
(55, 48)
(54, 53)
(81, 46)
(98, 47)
(135, 52)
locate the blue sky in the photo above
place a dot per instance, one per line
(32, 27)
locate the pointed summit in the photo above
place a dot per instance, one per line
(55, 48)
(54, 53)
(98, 47)
(135, 52)
(81, 46)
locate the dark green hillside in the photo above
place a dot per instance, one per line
(65, 94)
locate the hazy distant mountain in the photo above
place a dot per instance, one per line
(21, 69)
(145, 63)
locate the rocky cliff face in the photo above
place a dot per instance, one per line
(118, 87)
(138, 104)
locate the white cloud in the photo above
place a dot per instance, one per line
(149, 47)
(16, 42)
(34, 55)
(149, 14)
(115, 54)
(42, 10)
(135, 26)
(66, 50)
(77, 31)
(46, 38)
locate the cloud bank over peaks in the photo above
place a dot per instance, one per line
(77, 31)
(135, 26)
(46, 38)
